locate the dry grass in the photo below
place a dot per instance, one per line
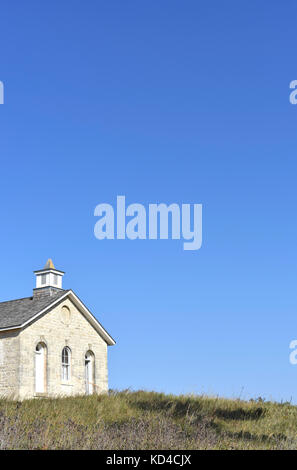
(146, 420)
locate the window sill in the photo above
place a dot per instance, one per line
(68, 384)
(40, 394)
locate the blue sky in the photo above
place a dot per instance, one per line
(171, 101)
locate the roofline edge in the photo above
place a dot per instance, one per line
(106, 336)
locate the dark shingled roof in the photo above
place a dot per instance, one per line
(16, 312)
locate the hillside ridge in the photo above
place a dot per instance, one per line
(146, 420)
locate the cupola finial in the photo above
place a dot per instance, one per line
(49, 264)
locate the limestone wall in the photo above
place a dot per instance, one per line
(55, 330)
(9, 363)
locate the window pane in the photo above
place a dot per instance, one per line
(65, 364)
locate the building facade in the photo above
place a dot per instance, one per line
(51, 344)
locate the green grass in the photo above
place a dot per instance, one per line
(146, 420)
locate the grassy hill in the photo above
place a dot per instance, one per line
(146, 420)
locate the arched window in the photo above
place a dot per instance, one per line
(40, 368)
(90, 372)
(66, 364)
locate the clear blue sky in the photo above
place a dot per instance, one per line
(160, 101)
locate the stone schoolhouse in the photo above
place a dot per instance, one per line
(50, 343)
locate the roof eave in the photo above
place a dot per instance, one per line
(69, 293)
(47, 270)
(97, 325)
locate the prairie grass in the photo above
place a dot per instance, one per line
(146, 420)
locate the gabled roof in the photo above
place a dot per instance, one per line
(18, 313)
(15, 313)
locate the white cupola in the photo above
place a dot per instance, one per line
(48, 279)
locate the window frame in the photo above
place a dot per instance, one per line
(90, 380)
(66, 364)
